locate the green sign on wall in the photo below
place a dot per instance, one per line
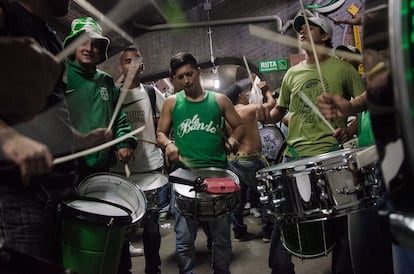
(273, 65)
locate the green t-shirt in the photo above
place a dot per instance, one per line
(308, 135)
(365, 134)
(198, 131)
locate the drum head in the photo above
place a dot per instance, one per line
(115, 189)
(95, 211)
(209, 172)
(149, 180)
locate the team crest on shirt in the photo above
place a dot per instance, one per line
(104, 93)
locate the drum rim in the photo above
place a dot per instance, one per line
(94, 218)
(310, 161)
(139, 217)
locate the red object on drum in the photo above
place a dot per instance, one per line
(221, 185)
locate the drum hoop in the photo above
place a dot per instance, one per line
(85, 182)
(95, 218)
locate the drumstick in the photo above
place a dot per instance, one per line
(250, 76)
(127, 171)
(315, 54)
(315, 109)
(116, 16)
(97, 148)
(123, 91)
(293, 42)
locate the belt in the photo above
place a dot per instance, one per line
(245, 156)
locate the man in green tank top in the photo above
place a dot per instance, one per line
(196, 117)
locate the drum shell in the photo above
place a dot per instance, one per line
(91, 241)
(154, 184)
(308, 240)
(115, 189)
(206, 206)
(320, 187)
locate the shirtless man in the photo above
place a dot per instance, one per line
(248, 158)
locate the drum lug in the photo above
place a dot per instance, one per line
(264, 200)
(348, 191)
(278, 202)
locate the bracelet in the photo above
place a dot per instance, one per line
(168, 143)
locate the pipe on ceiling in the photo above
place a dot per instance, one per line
(246, 20)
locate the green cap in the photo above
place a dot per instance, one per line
(94, 30)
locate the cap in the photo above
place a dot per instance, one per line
(348, 48)
(323, 24)
(94, 30)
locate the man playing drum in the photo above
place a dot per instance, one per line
(248, 158)
(308, 135)
(147, 163)
(196, 117)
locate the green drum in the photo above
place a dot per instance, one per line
(92, 233)
(308, 240)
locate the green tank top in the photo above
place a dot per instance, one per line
(198, 131)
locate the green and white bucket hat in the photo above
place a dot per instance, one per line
(94, 30)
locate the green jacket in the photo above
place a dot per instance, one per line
(91, 97)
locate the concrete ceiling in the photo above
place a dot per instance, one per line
(135, 17)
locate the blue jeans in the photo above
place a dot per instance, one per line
(245, 169)
(403, 260)
(186, 232)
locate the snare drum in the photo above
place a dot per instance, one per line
(92, 233)
(273, 142)
(155, 186)
(115, 189)
(205, 206)
(319, 187)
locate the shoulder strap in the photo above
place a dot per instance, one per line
(151, 93)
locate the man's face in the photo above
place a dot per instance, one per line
(188, 78)
(88, 54)
(128, 60)
(315, 31)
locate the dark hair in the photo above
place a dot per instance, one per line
(181, 59)
(233, 92)
(130, 48)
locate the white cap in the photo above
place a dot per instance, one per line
(323, 24)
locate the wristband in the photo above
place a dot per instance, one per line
(168, 143)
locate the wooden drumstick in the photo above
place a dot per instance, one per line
(293, 42)
(97, 148)
(127, 171)
(315, 109)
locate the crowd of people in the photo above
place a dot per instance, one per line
(192, 129)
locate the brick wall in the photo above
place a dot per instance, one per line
(231, 40)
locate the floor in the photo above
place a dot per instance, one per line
(248, 257)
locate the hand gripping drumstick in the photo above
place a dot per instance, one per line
(97, 148)
(315, 109)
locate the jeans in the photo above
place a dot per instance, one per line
(151, 238)
(245, 169)
(403, 260)
(186, 232)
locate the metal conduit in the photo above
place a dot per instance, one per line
(246, 20)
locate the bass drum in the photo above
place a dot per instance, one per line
(273, 143)
(308, 240)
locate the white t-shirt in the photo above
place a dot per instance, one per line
(137, 106)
